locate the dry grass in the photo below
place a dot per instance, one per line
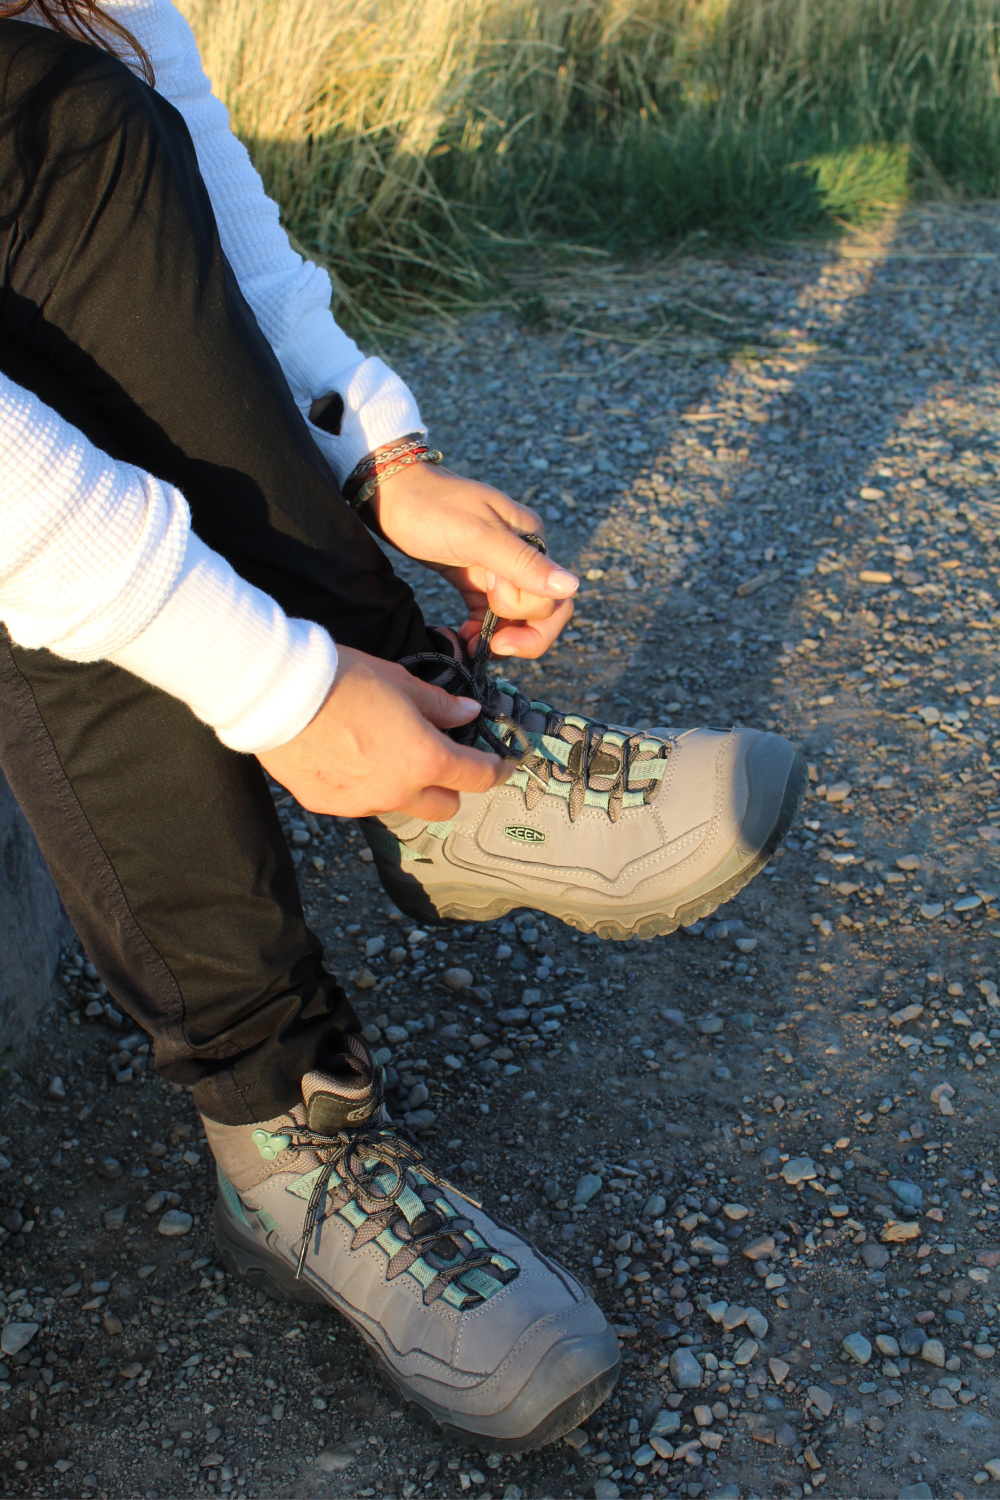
(410, 141)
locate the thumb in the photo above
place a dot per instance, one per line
(519, 563)
(439, 708)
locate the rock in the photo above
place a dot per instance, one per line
(746, 1352)
(420, 1120)
(887, 1345)
(109, 1167)
(57, 1089)
(17, 1336)
(174, 1223)
(920, 1491)
(858, 1347)
(908, 862)
(517, 1016)
(685, 1371)
(606, 1489)
(112, 1325)
(665, 1423)
(363, 979)
(779, 1370)
(335, 1458)
(898, 1232)
(943, 1400)
(761, 1248)
(874, 1256)
(734, 1211)
(757, 1323)
(656, 1206)
(588, 1187)
(770, 1160)
(799, 1169)
(984, 1351)
(114, 1218)
(458, 979)
(988, 1258)
(643, 1455)
(710, 1025)
(821, 1399)
(734, 1315)
(154, 1203)
(911, 1341)
(992, 1467)
(716, 1310)
(705, 1244)
(907, 1014)
(932, 1353)
(908, 1193)
(374, 946)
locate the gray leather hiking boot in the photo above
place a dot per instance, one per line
(466, 1319)
(612, 830)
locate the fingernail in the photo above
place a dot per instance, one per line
(563, 582)
(504, 651)
(491, 580)
(470, 705)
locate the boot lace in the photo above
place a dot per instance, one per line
(586, 763)
(376, 1178)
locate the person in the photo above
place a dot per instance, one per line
(189, 602)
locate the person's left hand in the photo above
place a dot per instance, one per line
(472, 535)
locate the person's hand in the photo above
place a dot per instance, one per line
(472, 535)
(377, 746)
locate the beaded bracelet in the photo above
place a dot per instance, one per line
(398, 454)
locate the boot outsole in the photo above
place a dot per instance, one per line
(266, 1272)
(457, 902)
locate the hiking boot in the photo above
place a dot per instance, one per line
(466, 1319)
(615, 831)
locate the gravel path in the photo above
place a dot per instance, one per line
(766, 1143)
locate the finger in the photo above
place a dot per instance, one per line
(435, 804)
(531, 639)
(463, 769)
(439, 708)
(517, 562)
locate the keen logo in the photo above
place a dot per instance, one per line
(524, 835)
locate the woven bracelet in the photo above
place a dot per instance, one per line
(379, 460)
(414, 456)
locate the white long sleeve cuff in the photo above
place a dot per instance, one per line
(233, 656)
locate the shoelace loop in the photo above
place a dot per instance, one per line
(360, 1158)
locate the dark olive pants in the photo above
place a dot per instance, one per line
(120, 310)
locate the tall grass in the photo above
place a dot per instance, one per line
(406, 140)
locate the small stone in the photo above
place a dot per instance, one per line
(703, 1416)
(992, 1467)
(643, 1455)
(760, 1248)
(943, 1400)
(735, 1211)
(665, 1423)
(746, 1352)
(887, 1345)
(984, 1351)
(457, 979)
(154, 1202)
(734, 1315)
(858, 1347)
(588, 1187)
(63, 1465)
(656, 1206)
(418, 1095)
(112, 1325)
(908, 862)
(606, 1489)
(131, 1372)
(175, 1222)
(577, 1439)
(16, 1336)
(779, 1370)
(374, 946)
(716, 1311)
(335, 1458)
(685, 1371)
(799, 1169)
(919, 1491)
(875, 1257)
(110, 1167)
(757, 1323)
(705, 1244)
(897, 1232)
(908, 1193)
(420, 1120)
(710, 1025)
(57, 1089)
(114, 1218)
(932, 1353)
(745, 944)
(363, 979)
(821, 1399)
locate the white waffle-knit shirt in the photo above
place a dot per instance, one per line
(97, 558)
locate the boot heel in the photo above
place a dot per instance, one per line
(258, 1266)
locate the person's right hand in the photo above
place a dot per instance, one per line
(377, 746)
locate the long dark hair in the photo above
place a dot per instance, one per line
(84, 20)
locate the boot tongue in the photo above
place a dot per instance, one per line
(345, 1097)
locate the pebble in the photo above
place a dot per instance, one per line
(175, 1223)
(919, 1491)
(335, 1458)
(734, 1211)
(943, 1400)
(760, 1248)
(858, 1347)
(821, 1399)
(908, 1193)
(656, 1206)
(932, 1353)
(874, 1256)
(887, 1345)
(588, 1186)
(799, 1169)
(897, 1232)
(374, 946)
(16, 1336)
(606, 1489)
(685, 1371)
(665, 1423)
(779, 1370)
(112, 1325)
(745, 1352)
(114, 1218)
(109, 1167)
(757, 1323)
(992, 1467)
(458, 979)
(57, 1089)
